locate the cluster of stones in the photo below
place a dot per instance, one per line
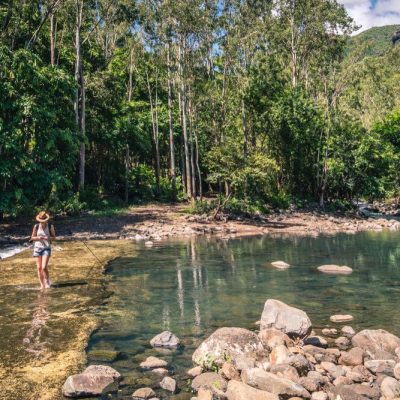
(97, 379)
(286, 360)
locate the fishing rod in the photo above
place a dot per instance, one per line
(91, 251)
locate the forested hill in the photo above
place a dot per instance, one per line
(110, 102)
(375, 41)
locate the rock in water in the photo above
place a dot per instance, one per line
(149, 243)
(144, 393)
(165, 339)
(262, 380)
(280, 264)
(378, 344)
(229, 343)
(290, 320)
(335, 269)
(91, 382)
(168, 384)
(341, 318)
(153, 362)
(241, 391)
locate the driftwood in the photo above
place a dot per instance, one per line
(221, 205)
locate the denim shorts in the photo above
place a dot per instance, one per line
(46, 251)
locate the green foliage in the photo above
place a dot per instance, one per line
(38, 145)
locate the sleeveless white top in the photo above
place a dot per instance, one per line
(42, 244)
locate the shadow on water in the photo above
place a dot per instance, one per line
(195, 286)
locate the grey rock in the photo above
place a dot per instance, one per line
(333, 370)
(339, 318)
(285, 371)
(348, 331)
(85, 385)
(343, 343)
(353, 357)
(92, 382)
(335, 269)
(241, 391)
(209, 380)
(378, 344)
(396, 371)
(385, 367)
(153, 362)
(302, 365)
(165, 339)
(390, 388)
(229, 343)
(144, 393)
(330, 332)
(272, 337)
(168, 384)
(267, 381)
(290, 320)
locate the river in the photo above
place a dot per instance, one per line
(195, 286)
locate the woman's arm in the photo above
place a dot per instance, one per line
(34, 233)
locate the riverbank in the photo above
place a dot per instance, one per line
(45, 333)
(156, 222)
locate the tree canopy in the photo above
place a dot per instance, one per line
(260, 101)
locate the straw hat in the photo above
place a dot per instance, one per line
(43, 216)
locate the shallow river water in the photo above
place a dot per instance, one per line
(195, 286)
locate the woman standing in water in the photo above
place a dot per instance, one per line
(42, 236)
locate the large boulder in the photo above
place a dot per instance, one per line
(241, 391)
(292, 321)
(92, 382)
(262, 380)
(229, 344)
(378, 344)
(165, 339)
(353, 357)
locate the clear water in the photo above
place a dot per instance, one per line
(195, 286)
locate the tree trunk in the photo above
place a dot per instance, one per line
(192, 162)
(171, 127)
(189, 189)
(53, 32)
(79, 105)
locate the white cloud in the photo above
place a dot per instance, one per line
(385, 12)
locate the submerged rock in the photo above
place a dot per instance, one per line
(290, 320)
(341, 318)
(280, 264)
(378, 344)
(144, 393)
(241, 391)
(153, 362)
(165, 339)
(335, 269)
(169, 384)
(229, 343)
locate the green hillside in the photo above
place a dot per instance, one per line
(375, 41)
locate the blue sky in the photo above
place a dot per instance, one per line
(370, 13)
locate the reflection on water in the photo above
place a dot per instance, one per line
(193, 287)
(34, 336)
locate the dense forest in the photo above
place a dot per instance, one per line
(262, 102)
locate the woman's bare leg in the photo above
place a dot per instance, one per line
(45, 262)
(40, 272)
